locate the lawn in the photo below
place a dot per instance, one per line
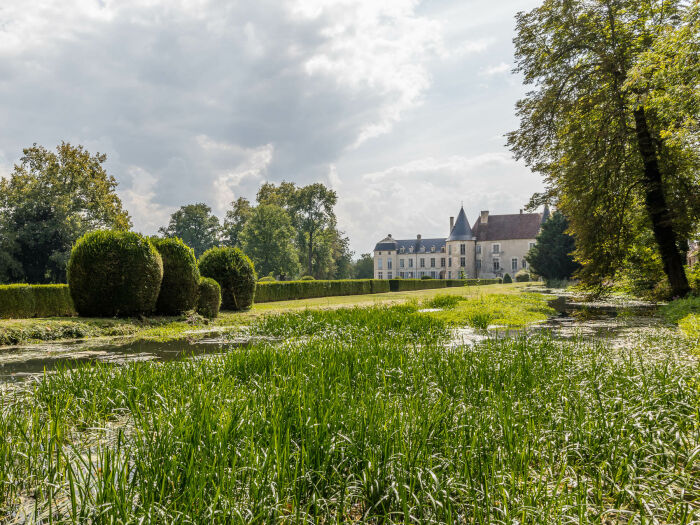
(363, 414)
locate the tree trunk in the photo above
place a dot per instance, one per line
(657, 208)
(311, 252)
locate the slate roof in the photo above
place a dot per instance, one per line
(406, 244)
(506, 227)
(461, 230)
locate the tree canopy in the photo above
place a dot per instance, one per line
(50, 200)
(595, 130)
(267, 238)
(236, 218)
(551, 256)
(196, 226)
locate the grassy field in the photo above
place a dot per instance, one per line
(18, 331)
(361, 415)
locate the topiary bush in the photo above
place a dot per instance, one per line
(114, 273)
(307, 278)
(234, 272)
(507, 279)
(180, 286)
(523, 276)
(268, 279)
(209, 300)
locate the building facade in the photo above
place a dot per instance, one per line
(493, 246)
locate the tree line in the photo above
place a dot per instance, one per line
(52, 198)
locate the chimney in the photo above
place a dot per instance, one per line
(521, 212)
(484, 216)
(419, 237)
(452, 223)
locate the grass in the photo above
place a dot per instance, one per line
(361, 415)
(686, 314)
(23, 331)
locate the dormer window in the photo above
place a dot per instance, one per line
(432, 249)
(411, 249)
(442, 249)
(402, 249)
(422, 249)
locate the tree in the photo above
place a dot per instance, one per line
(594, 136)
(281, 195)
(196, 226)
(364, 267)
(267, 240)
(50, 200)
(551, 257)
(235, 221)
(312, 213)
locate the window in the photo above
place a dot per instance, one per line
(379, 263)
(410, 249)
(463, 262)
(442, 262)
(531, 245)
(442, 249)
(524, 263)
(514, 264)
(432, 274)
(410, 275)
(462, 249)
(402, 249)
(401, 274)
(410, 263)
(380, 275)
(422, 262)
(478, 264)
(380, 253)
(422, 249)
(449, 249)
(478, 249)
(495, 248)
(388, 264)
(402, 262)
(496, 265)
(449, 275)
(449, 262)
(432, 249)
(390, 275)
(432, 262)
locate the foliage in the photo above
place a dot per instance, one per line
(196, 226)
(364, 267)
(307, 278)
(595, 135)
(209, 298)
(179, 288)
(292, 290)
(267, 239)
(690, 326)
(551, 256)
(479, 320)
(507, 279)
(235, 221)
(114, 273)
(642, 270)
(49, 201)
(445, 302)
(234, 272)
(19, 301)
(680, 308)
(405, 285)
(267, 279)
(523, 276)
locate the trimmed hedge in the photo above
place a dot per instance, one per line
(507, 279)
(209, 299)
(409, 285)
(114, 273)
(180, 286)
(19, 301)
(291, 290)
(234, 272)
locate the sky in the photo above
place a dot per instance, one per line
(401, 106)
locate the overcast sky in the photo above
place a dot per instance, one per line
(399, 105)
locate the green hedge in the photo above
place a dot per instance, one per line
(18, 301)
(409, 285)
(291, 290)
(209, 300)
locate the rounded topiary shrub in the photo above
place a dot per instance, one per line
(234, 272)
(523, 276)
(507, 279)
(114, 273)
(209, 300)
(307, 278)
(178, 291)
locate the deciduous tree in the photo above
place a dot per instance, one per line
(196, 226)
(235, 221)
(267, 239)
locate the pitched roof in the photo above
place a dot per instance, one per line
(461, 230)
(505, 227)
(407, 244)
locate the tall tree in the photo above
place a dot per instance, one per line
(312, 214)
(50, 200)
(235, 221)
(281, 195)
(594, 138)
(196, 226)
(551, 257)
(364, 267)
(267, 240)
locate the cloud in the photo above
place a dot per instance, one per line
(496, 70)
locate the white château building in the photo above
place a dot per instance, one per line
(493, 246)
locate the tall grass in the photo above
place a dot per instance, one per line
(343, 423)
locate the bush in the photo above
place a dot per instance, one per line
(234, 272)
(268, 279)
(407, 285)
(209, 300)
(291, 290)
(444, 302)
(523, 276)
(114, 273)
(425, 277)
(307, 278)
(19, 301)
(507, 279)
(179, 289)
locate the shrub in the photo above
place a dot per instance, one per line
(307, 278)
(480, 320)
(445, 302)
(114, 273)
(407, 285)
(178, 291)
(425, 277)
(268, 279)
(523, 276)
(507, 279)
(209, 300)
(292, 290)
(234, 272)
(19, 301)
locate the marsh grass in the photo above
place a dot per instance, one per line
(510, 310)
(361, 416)
(444, 302)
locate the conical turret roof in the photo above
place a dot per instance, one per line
(461, 231)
